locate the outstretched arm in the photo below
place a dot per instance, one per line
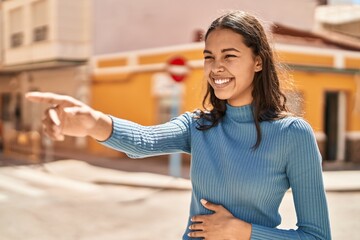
(69, 116)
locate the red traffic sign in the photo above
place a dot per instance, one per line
(178, 69)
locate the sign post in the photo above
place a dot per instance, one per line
(178, 71)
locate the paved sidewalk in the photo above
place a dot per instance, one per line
(72, 199)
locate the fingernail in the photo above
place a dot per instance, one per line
(203, 201)
(54, 117)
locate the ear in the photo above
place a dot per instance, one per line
(258, 64)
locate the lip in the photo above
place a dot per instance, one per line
(221, 82)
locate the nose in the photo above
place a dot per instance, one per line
(217, 67)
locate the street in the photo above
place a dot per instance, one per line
(73, 200)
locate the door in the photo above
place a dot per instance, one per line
(334, 125)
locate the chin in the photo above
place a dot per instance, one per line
(222, 97)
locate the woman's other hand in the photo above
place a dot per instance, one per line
(219, 225)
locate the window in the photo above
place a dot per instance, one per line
(40, 20)
(40, 33)
(16, 39)
(16, 27)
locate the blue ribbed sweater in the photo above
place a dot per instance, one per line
(226, 170)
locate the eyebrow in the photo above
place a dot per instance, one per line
(223, 50)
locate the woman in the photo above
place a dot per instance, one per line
(247, 151)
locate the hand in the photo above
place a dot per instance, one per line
(219, 225)
(71, 117)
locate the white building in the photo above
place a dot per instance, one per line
(45, 47)
(339, 22)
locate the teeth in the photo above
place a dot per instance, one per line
(221, 81)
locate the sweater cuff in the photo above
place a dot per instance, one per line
(266, 233)
(112, 131)
(114, 136)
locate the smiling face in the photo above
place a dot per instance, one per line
(230, 66)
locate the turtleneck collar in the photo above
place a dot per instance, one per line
(240, 114)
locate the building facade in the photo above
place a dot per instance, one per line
(86, 49)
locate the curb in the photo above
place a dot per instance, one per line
(342, 181)
(105, 176)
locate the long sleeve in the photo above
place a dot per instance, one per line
(305, 178)
(141, 141)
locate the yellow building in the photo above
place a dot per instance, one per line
(137, 86)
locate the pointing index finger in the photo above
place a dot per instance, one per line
(51, 98)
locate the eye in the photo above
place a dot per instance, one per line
(230, 56)
(208, 57)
